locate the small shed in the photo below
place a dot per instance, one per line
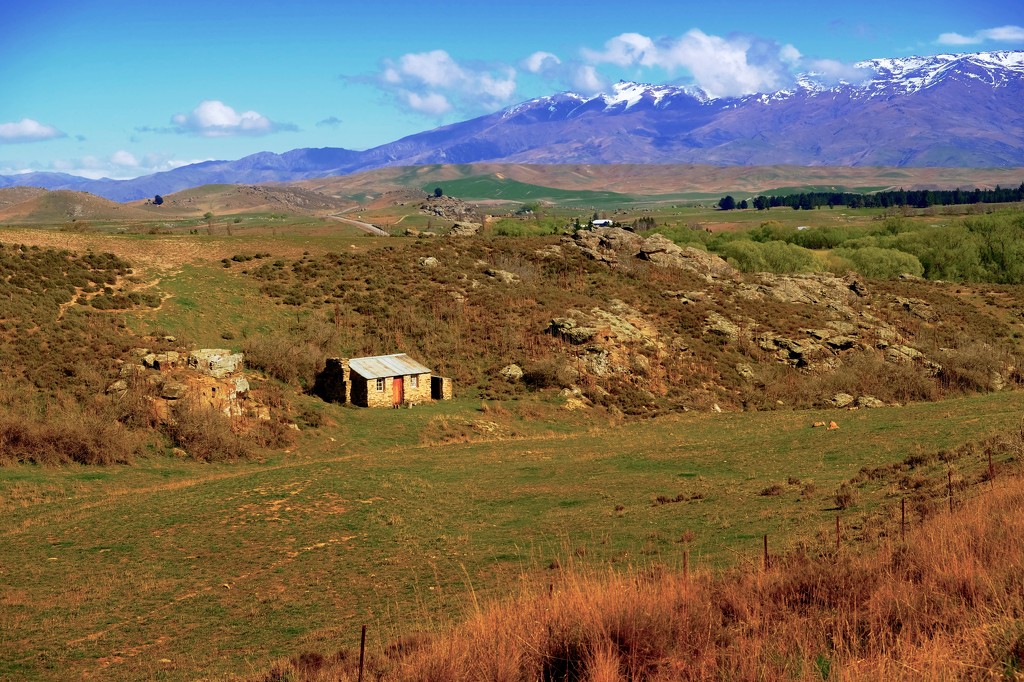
(380, 381)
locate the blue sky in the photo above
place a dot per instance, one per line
(121, 88)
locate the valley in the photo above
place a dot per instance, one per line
(664, 412)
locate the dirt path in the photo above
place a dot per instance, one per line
(365, 227)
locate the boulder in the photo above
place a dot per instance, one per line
(899, 353)
(567, 329)
(718, 324)
(916, 307)
(503, 276)
(215, 362)
(841, 400)
(429, 262)
(119, 387)
(465, 229)
(842, 342)
(165, 361)
(173, 390)
(512, 372)
(661, 250)
(869, 401)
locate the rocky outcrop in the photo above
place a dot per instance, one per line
(215, 362)
(465, 229)
(503, 276)
(611, 244)
(447, 207)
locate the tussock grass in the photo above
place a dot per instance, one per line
(944, 604)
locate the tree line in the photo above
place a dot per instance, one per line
(913, 198)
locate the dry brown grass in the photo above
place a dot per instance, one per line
(945, 604)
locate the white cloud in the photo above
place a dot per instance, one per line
(431, 104)
(27, 130)
(587, 81)
(790, 54)
(124, 159)
(737, 65)
(999, 34)
(121, 165)
(956, 39)
(434, 83)
(540, 61)
(213, 118)
(831, 71)
(627, 49)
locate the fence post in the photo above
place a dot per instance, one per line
(949, 485)
(362, 651)
(766, 558)
(838, 534)
(903, 519)
(686, 564)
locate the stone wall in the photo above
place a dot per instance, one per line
(421, 392)
(375, 398)
(365, 393)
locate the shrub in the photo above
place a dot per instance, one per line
(204, 433)
(878, 263)
(845, 496)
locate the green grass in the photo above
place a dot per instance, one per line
(204, 301)
(489, 187)
(169, 568)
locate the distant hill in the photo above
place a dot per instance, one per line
(62, 206)
(939, 111)
(525, 182)
(230, 199)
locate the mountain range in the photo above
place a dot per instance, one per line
(938, 111)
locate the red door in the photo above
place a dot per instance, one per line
(397, 391)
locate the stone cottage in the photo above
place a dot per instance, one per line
(380, 381)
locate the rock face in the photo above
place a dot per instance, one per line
(613, 244)
(215, 362)
(210, 378)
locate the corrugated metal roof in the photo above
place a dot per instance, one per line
(382, 366)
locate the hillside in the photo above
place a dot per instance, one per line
(649, 181)
(233, 199)
(62, 206)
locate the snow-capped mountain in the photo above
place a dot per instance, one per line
(944, 110)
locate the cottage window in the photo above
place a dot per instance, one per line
(414, 381)
(380, 384)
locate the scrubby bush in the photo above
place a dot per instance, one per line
(878, 263)
(774, 256)
(205, 433)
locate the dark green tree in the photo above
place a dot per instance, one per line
(727, 203)
(438, 192)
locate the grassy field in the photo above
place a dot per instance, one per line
(173, 569)
(170, 569)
